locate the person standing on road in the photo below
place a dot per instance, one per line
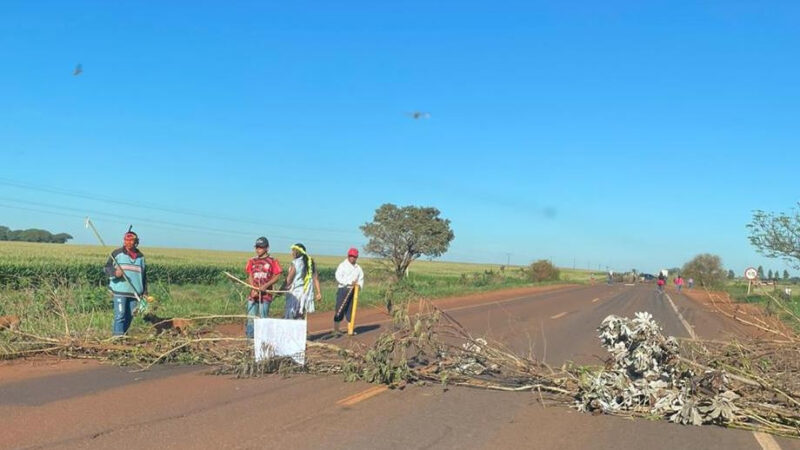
(348, 275)
(302, 282)
(691, 283)
(263, 271)
(679, 283)
(127, 278)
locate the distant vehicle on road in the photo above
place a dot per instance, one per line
(647, 277)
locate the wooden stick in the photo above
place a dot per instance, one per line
(351, 326)
(233, 277)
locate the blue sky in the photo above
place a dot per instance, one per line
(613, 134)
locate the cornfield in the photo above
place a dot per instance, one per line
(22, 262)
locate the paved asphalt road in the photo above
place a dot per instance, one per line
(83, 405)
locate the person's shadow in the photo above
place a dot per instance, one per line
(329, 335)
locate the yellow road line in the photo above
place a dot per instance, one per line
(596, 299)
(559, 315)
(766, 441)
(361, 396)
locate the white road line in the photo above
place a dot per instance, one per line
(686, 325)
(766, 441)
(559, 315)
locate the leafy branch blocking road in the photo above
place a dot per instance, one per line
(744, 384)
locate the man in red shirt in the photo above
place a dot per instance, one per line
(262, 272)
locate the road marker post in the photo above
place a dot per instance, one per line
(751, 274)
(352, 324)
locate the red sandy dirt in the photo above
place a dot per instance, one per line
(752, 319)
(29, 368)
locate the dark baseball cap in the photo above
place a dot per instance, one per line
(262, 242)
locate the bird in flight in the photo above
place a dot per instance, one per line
(419, 115)
(78, 70)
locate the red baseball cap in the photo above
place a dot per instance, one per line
(352, 252)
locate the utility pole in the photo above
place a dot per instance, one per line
(508, 259)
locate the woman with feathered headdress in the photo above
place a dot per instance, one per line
(302, 283)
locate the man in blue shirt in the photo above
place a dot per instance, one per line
(127, 281)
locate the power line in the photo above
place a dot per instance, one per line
(154, 223)
(126, 217)
(186, 212)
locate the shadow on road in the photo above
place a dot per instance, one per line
(329, 334)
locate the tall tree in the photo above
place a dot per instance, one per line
(785, 274)
(706, 269)
(777, 235)
(731, 274)
(769, 274)
(760, 272)
(401, 235)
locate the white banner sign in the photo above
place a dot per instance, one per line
(280, 337)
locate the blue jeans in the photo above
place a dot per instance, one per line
(255, 309)
(123, 314)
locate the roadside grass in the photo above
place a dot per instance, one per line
(582, 276)
(763, 296)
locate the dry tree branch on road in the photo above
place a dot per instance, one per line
(747, 383)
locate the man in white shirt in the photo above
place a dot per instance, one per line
(348, 275)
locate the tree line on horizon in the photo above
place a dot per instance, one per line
(772, 275)
(775, 235)
(32, 235)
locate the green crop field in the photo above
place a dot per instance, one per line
(21, 261)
